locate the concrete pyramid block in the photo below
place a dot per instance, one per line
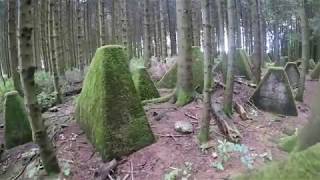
(109, 109)
(17, 130)
(170, 78)
(274, 93)
(293, 74)
(243, 64)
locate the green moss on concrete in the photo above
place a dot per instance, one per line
(274, 93)
(109, 109)
(304, 165)
(288, 143)
(143, 83)
(17, 128)
(243, 64)
(169, 80)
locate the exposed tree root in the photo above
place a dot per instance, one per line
(225, 124)
(160, 99)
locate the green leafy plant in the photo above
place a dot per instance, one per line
(183, 173)
(225, 149)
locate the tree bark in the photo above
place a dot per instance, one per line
(164, 49)
(171, 4)
(185, 90)
(221, 26)
(13, 52)
(28, 68)
(146, 33)
(208, 57)
(305, 49)
(257, 42)
(228, 94)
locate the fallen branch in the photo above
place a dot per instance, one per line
(105, 172)
(225, 124)
(160, 99)
(245, 83)
(170, 135)
(191, 116)
(241, 111)
(25, 167)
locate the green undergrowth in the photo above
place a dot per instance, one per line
(304, 165)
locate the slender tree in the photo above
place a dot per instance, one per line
(13, 52)
(28, 69)
(205, 122)
(305, 48)
(146, 33)
(228, 93)
(184, 89)
(257, 41)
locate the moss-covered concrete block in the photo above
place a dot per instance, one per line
(312, 64)
(109, 108)
(243, 64)
(288, 143)
(274, 93)
(143, 83)
(304, 165)
(17, 129)
(169, 80)
(293, 74)
(315, 74)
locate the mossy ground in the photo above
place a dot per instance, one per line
(109, 108)
(304, 165)
(142, 82)
(17, 127)
(169, 80)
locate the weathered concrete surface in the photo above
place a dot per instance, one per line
(293, 74)
(274, 93)
(243, 64)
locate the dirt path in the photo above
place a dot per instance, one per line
(171, 150)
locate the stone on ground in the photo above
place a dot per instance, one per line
(300, 165)
(293, 74)
(109, 109)
(243, 64)
(17, 129)
(274, 93)
(142, 82)
(170, 78)
(183, 127)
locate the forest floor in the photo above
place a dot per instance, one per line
(171, 151)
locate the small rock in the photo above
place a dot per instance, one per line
(54, 109)
(183, 127)
(214, 155)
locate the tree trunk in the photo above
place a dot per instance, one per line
(28, 68)
(164, 50)
(221, 26)
(54, 53)
(257, 42)
(305, 49)
(184, 93)
(13, 52)
(208, 57)
(228, 94)
(79, 39)
(100, 23)
(146, 32)
(171, 5)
